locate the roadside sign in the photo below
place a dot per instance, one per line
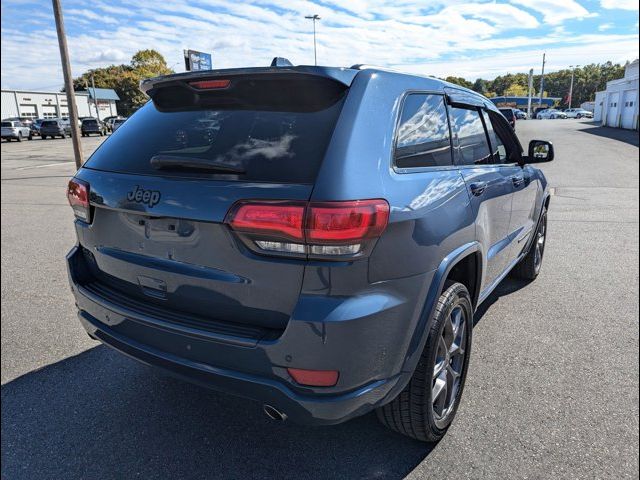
(194, 60)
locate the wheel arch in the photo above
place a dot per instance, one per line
(454, 266)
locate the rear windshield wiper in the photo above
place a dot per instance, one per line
(176, 162)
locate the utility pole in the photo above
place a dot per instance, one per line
(544, 56)
(573, 69)
(68, 83)
(530, 93)
(95, 100)
(314, 18)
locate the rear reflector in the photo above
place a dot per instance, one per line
(210, 84)
(314, 378)
(320, 229)
(78, 196)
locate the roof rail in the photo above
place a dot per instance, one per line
(281, 62)
(364, 66)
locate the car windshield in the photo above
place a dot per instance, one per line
(6, 124)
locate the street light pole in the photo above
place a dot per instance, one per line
(68, 83)
(544, 60)
(314, 18)
(573, 69)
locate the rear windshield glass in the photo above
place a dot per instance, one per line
(89, 122)
(283, 145)
(7, 124)
(50, 123)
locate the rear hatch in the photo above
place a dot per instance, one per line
(162, 185)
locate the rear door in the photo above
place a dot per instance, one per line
(489, 185)
(158, 233)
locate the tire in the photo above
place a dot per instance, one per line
(30, 137)
(578, 116)
(43, 137)
(19, 136)
(529, 267)
(414, 412)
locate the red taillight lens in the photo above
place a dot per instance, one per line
(210, 84)
(279, 220)
(317, 229)
(314, 378)
(78, 196)
(343, 222)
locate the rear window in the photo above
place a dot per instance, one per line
(90, 122)
(49, 123)
(7, 124)
(269, 142)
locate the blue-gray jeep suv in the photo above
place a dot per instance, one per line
(313, 238)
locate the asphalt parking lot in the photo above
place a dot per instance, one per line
(552, 390)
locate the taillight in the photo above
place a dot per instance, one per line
(314, 229)
(78, 196)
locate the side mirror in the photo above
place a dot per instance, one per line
(540, 151)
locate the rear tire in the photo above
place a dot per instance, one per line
(529, 267)
(427, 405)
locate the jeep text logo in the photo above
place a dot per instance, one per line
(140, 195)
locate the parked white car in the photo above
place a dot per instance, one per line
(15, 130)
(117, 123)
(578, 113)
(551, 113)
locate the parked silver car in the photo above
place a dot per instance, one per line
(551, 113)
(117, 122)
(578, 113)
(15, 130)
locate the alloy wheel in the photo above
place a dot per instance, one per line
(449, 365)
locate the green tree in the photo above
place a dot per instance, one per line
(516, 90)
(459, 81)
(125, 79)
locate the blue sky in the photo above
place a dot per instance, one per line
(462, 38)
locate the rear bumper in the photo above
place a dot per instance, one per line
(256, 369)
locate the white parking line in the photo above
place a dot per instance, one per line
(43, 166)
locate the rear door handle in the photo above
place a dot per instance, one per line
(517, 180)
(478, 188)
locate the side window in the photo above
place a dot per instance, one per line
(497, 145)
(423, 139)
(467, 125)
(506, 146)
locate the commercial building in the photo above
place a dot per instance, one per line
(617, 106)
(36, 104)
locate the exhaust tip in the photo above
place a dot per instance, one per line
(273, 413)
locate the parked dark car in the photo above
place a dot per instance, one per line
(35, 127)
(54, 127)
(510, 115)
(313, 238)
(92, 126)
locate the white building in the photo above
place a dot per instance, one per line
(32, 104)
(617, 106)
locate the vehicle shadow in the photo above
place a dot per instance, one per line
(628, 136)
(102, 415)
(506, 287)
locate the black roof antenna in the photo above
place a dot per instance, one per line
(281, 62)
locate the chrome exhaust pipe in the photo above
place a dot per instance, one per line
(273, 413)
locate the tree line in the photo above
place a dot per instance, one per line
(588, 80)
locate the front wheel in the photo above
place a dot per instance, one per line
(19, 136)
(426, 406)
(529, 267)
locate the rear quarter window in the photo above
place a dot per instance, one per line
(271, 144)
(422, 138)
